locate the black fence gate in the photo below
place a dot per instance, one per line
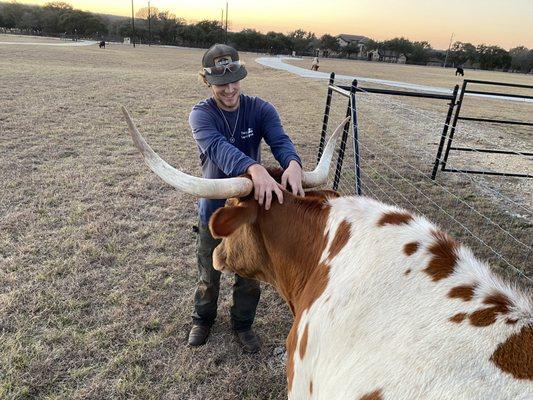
(458, 117)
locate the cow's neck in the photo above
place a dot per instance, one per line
(295, 240)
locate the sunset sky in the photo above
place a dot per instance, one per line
(506, 23)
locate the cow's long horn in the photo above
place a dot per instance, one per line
(319, 175)
(201, 187)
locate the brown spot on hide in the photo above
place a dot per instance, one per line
(303, 341)
(411, 248)
(444, 257)
(395, 218)
(487, 316)
(458, 318)
(511, 321)
(463, 292)
(291, 346)
(375, 395)
(316, 284)
(310, 387)
(515, 355)
(498, 300)
(407, 272)
(341, 238)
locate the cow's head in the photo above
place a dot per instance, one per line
(260, 244)
(242, 249)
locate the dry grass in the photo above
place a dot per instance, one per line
(97, 254)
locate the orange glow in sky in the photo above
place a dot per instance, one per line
(506, 23)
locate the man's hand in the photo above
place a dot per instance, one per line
(293, 176)
(264, 185)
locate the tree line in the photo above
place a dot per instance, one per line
(162, 27)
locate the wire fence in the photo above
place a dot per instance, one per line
(397, 145)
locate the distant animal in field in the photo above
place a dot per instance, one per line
(460, 71)
(102, 44)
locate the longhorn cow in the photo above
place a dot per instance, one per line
(386, 306)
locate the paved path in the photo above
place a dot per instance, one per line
(59, 43)
(278, 63)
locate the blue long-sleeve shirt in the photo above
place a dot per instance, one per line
(228, 147)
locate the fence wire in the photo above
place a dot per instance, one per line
(397, 143)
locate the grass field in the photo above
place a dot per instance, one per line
(97, 264)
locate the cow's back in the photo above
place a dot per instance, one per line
(408, 313)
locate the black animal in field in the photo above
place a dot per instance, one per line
(460, 71)
(102, 44)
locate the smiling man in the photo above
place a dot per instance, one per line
(228, 129)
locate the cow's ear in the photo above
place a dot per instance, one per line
(226, 220)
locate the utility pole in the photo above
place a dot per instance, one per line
(447, 51)
(149, 25)
(226, 40)
(132, 25)
(222, 19)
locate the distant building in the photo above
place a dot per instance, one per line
(357, 40)
(388, 56)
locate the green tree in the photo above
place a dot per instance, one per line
(400, 45)
(420, 53)
(521, 59)
(302, 41)
(12, 13)
(493, 57)
(371, 44)
(249, 40)
(463, 52)
(278, 43)
(329, 43)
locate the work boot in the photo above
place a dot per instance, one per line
(249, 341)
(198, 335)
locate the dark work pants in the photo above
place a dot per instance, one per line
(246, 292)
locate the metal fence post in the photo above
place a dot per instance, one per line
(342, 147)
(444, 132)
(326, 117)
(355, 134)
(454, 124)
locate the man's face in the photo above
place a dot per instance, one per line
(227, 96)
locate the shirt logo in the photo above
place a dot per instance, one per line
(247, 134)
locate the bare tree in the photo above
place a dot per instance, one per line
(146, 12)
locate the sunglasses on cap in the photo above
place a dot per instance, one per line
(220, 70)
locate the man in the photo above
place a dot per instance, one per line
(228, 129)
